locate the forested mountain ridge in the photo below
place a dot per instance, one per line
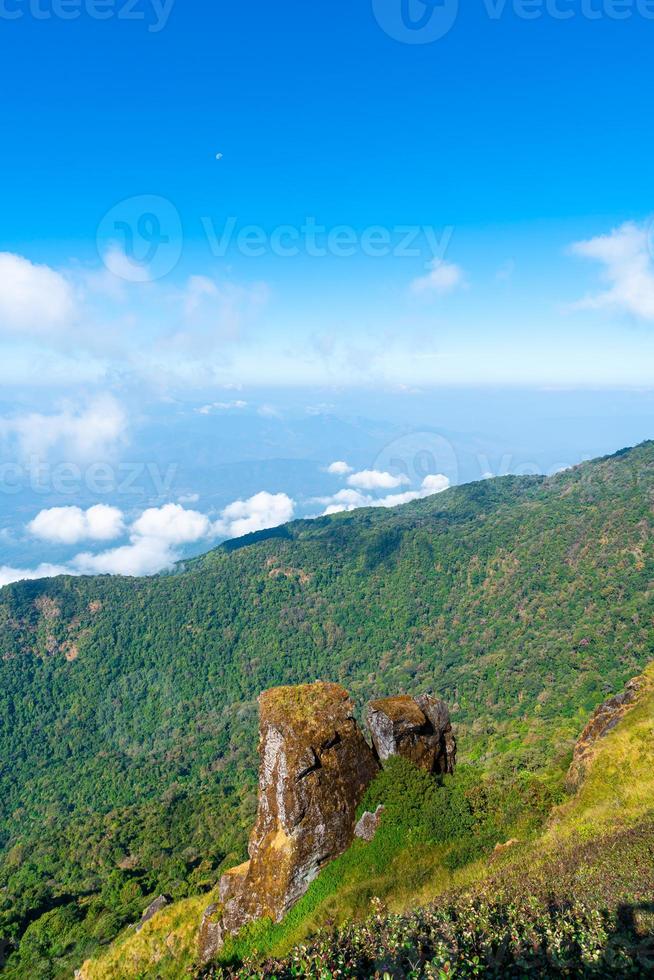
(127, 706)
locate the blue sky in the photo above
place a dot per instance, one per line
(318, 111)
(206, 204)
(513, 137)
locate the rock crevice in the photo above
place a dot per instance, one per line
(315, 766)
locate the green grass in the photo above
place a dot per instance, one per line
(618, 790)
(164, 948)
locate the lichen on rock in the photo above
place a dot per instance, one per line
(315, 766)
(419, 729)
(369, 823)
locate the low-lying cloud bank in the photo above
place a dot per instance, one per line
(352, 497)
(157, 537)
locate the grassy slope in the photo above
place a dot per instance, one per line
(131, 767)
(594, 848)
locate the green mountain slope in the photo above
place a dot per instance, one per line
(128, 712)
(575, 898)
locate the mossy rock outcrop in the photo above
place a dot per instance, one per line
(315, 766)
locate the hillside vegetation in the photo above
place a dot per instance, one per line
(573, 898)
(128, 706)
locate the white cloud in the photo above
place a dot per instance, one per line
(198, 288)
(435, 483)
(91, 432)
(261, 511)
(68, 525)
(172, 524)
(155, 538)
(188, 498)
(124, 268)
(269, 412)
(144, 556)
(339, 468)
(443, 277)
(34, 299)
(212, 315)
(221, 407)
(628, 270)
(376, 480)
(158, 534)
(347, 500)
(9, 574)
(108, 318)
(505, 271)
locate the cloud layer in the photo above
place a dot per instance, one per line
(156, 536)
(87, 432)
(350, 498)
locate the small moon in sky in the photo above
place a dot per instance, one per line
(219, 156)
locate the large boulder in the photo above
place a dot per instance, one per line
(315, 766)
(418, 729)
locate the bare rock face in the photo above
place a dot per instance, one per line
(368, 825)
(603, 720)
(417, 728)
(212, 933)
(315, 766)
(159, 903)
